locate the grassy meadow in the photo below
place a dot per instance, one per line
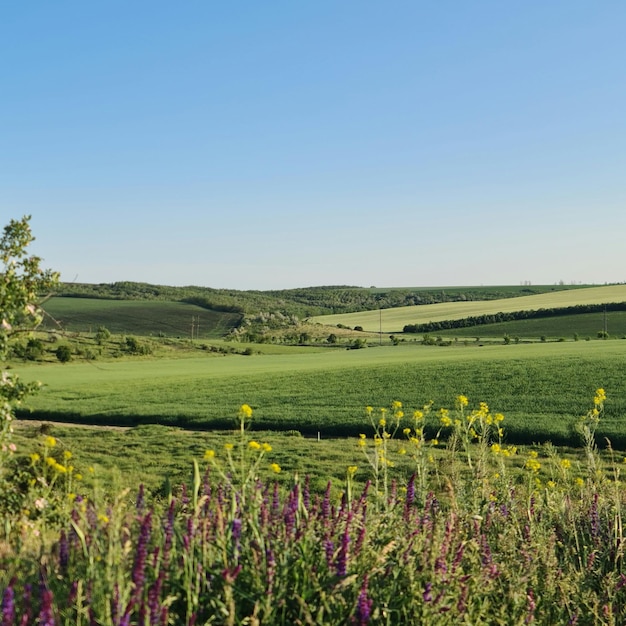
(538, 386)
(189, 483)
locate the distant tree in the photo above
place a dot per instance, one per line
(102, 334)
(332, 338)
(602, 334)
(359, 328)
(63, 353)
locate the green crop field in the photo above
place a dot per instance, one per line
(567, 327)
(394, 320)
(541, 388)
(137, 317)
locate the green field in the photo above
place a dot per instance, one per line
(394, 320)
(137, 317)
(541, 388)
(583, 325)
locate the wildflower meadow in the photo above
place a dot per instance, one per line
(442, 521)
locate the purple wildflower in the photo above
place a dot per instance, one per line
(329, 549)
(64, 552)
(363, 605)
(427, 595)
(341, 565)
(8, 606)
(326, 503)
(28, 609)
(461, 605)
(46, 613)
(458, 556)
(306, 493)
(138, 575)
(141, 500)
(410, 494)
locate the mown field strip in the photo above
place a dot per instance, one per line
(394, 320)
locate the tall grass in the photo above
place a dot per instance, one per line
(492, 536)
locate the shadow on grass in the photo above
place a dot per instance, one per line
(513, 434)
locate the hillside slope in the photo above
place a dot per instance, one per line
(394, 320)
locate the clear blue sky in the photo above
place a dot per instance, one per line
(277, 144)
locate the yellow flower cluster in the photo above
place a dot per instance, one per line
(245, 412)
(600, 397)
(532, 463)
(499, 450)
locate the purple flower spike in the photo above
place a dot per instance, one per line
(46, 613)
(64, 552)
(141, 500)
(138, 574)
(363, 605)
(8, 606)
(427, 595)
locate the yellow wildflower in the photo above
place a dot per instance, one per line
(407, 432)
(566, 464)
(34, 457)
(579, 482)
(532, 464)
(209, 455)
(254, 445)
(382, 422)
(600, 396)
(228, 447)
(369, 409)
(50, 442)
(67, 454)
(275, 468)
(245, 411)
(396, 404)
(103, 518)
(462, 400)
(352, 470)
(267, 447)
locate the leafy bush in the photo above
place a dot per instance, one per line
(63, 353)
